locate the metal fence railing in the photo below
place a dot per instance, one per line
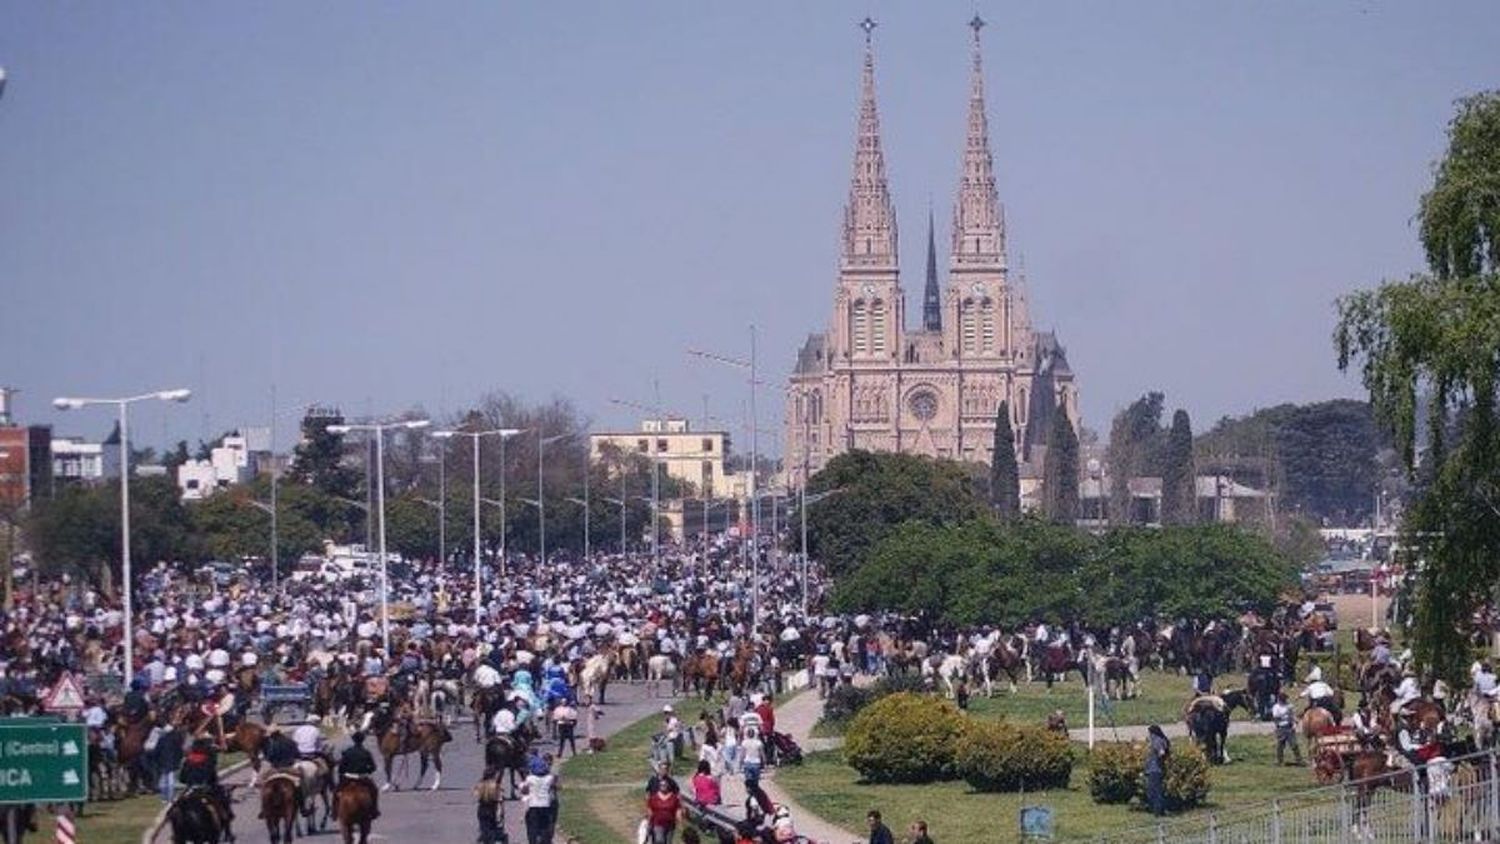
(1461, 802)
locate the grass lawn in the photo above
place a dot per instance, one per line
(1159, 700)
(603, 794)
(829, 788)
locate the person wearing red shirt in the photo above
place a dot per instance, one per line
(661, 810)
(768, 726)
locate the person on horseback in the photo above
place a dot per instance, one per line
(357, 763)
(200, 775)
(1363, 722)
(1320, 694)
(504, 722)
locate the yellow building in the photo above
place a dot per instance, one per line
(696, 457)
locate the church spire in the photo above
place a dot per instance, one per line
(932, 300)
(978, 222)
(869, 218)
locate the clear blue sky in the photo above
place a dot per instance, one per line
(382, 205)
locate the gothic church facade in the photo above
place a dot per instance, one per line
(871, 382)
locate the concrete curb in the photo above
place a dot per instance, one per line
(148, 836)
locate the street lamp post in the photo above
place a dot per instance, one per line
(584, 503)
(541, 498)
(504, 434)
(750, 366)
(378, 429)
(64, 403)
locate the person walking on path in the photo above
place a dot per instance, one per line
(879, 832)
(1158, 749)
(565, 718)
(491, 807)
(540, 792)
(661, 813)
(169, 752)
(1286, 730)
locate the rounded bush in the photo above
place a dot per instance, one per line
(1115, 772)
(904, 738)
(1186, 778)
(1007, 757)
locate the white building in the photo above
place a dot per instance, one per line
(232, 462)
(73, 459)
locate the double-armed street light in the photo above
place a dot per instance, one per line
(475, 436)
(65, 403)
(378, 429)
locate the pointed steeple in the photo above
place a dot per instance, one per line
(870, 217)
(932, 300)
(978, 222)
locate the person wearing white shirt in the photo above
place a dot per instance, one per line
(486, 677)
(1320, 694)
(1484, 680)
(1407, 692)
(308, 738)
(504, 722)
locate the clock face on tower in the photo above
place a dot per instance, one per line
(923, 405)
(978, 288)
(869, 289)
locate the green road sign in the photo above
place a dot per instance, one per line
(43, 762)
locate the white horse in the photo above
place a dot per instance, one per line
(594, 675)
(661, 668)
(952, 669)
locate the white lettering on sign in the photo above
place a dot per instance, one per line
(35, 748)
(15, 777)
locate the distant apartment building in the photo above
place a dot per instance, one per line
(235, 460)
(696, 457)
(75, 460)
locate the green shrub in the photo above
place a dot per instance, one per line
(1115, 772)
(1008, 757)
(896, 683)
(1186, 778)
(904, 738)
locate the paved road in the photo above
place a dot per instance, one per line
(446, 816)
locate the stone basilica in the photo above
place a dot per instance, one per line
(871, 382)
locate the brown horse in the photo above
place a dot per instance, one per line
(130, 750)
(248, 738)
(700, 673)
(280, 798)
(354, 806)
(401, 737)
(1316, 721)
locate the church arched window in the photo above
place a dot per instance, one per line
(987, 326)
(859, 327)
(967, 329)
(877, 327)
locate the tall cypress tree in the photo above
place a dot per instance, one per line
(1060, 472)
(1179, 493)
(1005, 477)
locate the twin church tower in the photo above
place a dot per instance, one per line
(872, 383)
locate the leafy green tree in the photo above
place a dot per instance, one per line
(1179, 491)
(78, 530)
(1005, 476)
(876, 493)
(1438, 333)
(319, 460)
(1060, 471)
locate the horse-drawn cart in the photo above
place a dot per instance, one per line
(1331, 751)
(292, 701)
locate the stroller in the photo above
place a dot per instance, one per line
(788, 752)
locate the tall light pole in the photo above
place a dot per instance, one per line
(64, 403)
(750, 367)
(504, 434)
(541, 498)
(378, 429)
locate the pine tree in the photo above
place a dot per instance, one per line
(1005, 477)
(1179, 494)
(1060, 471)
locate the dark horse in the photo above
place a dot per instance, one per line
(1209, 726)
(354, 806)
(280, 798)
(194, 819)
(508, 754)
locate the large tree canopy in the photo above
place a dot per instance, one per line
(984, 572)
(877, 492)
(1440, 335)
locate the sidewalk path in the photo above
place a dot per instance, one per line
(796, 717)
